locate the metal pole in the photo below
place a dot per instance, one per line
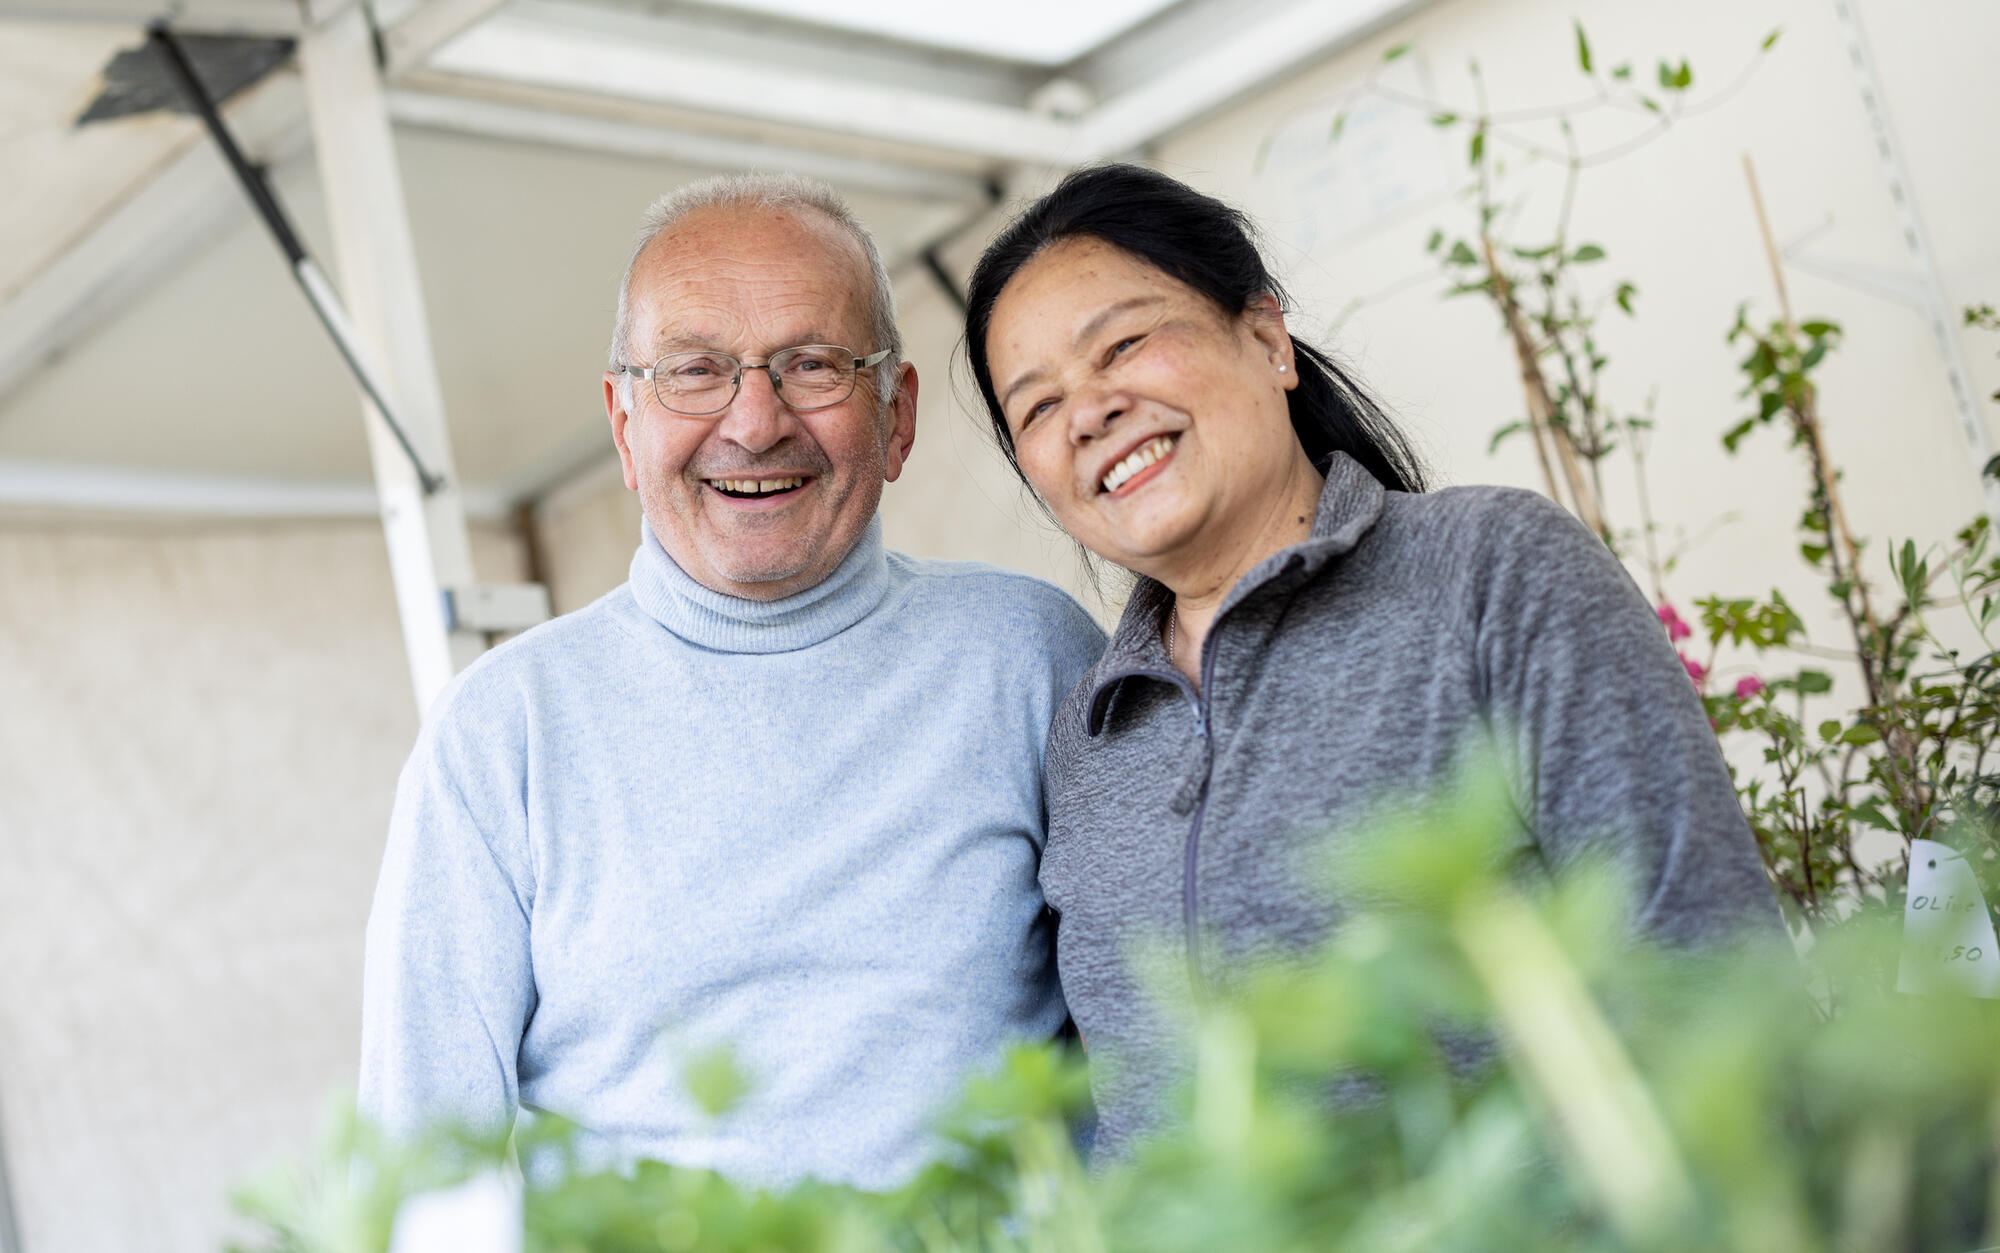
(1930, 289)
(319, 293)
(429, 550)
(10, 1229)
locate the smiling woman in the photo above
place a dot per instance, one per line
(1312, 635)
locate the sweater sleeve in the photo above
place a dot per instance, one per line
(447, 984)
(1605, 739)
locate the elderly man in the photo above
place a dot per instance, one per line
(780, 793)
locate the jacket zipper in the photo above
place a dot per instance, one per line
(1190, 895)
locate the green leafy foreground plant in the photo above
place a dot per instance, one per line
(1467, 1064)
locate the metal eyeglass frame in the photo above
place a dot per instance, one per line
(650, 372)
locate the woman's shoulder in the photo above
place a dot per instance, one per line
(1485, 530)
(1482, 510)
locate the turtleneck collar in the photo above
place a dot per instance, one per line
(731, 624)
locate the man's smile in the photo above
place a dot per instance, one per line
(760, 490)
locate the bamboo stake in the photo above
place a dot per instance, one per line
(1541, 409)
(1807, 412)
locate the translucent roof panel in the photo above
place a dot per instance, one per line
(1042, 32)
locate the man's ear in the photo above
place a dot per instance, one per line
(902, 422)
(1266, 324)
(614, 408)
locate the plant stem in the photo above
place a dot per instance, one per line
(1541, 409)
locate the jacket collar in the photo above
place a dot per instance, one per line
(1349, 506)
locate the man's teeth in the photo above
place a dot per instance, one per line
(758, 487)
(1142, 456)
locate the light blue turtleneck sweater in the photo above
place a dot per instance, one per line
(805, 829)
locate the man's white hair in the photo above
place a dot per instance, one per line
(767, 191)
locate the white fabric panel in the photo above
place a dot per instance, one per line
(200, 730)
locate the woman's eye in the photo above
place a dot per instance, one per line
(1125, 343)
(1036, 410)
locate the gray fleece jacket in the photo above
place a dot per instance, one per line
(1342, 673)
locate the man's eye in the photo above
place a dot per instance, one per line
(701, 368)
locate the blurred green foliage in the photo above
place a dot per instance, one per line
(1470, 1063)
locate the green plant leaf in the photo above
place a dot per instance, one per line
(1395, 53)
(1734, 435)
(1444, 119)
(1830, 729)
(1435, 241)
(1582, 48)
(1871, 814)
(1589, 252)
(1263, 154)
(1820, 330)
(1623, 72)
(1512, 428)
(1461, 254)
(715, 1081)
(1815, 682)
(1624, 296)
(1477, 149)
(1771, 40)
(1861, 733)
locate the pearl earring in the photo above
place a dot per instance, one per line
(1281, 369)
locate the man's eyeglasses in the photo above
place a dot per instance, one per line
(701, 384)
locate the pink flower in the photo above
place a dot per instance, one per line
(1747, 686)
(1695, 669)
(1677, 630)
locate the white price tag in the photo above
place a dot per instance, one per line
(481, 1215)
(1948, 943)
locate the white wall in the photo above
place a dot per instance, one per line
(200, 729)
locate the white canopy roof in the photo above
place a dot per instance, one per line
(153, 353)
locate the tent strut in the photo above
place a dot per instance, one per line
(319, 293)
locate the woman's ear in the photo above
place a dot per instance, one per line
(1266, 323)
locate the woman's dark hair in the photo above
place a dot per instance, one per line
(1207, 245)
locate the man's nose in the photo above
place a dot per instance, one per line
(757, 419)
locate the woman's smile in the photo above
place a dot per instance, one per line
(1139, 467)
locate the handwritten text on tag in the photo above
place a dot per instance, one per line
(1948, 942)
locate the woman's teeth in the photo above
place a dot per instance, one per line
(757, 487)
(1142, 456)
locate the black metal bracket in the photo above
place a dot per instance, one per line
(318, 292)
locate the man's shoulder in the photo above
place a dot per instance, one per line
(973, 595)
(559, 652)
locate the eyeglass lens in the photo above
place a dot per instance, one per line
(816, 376)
